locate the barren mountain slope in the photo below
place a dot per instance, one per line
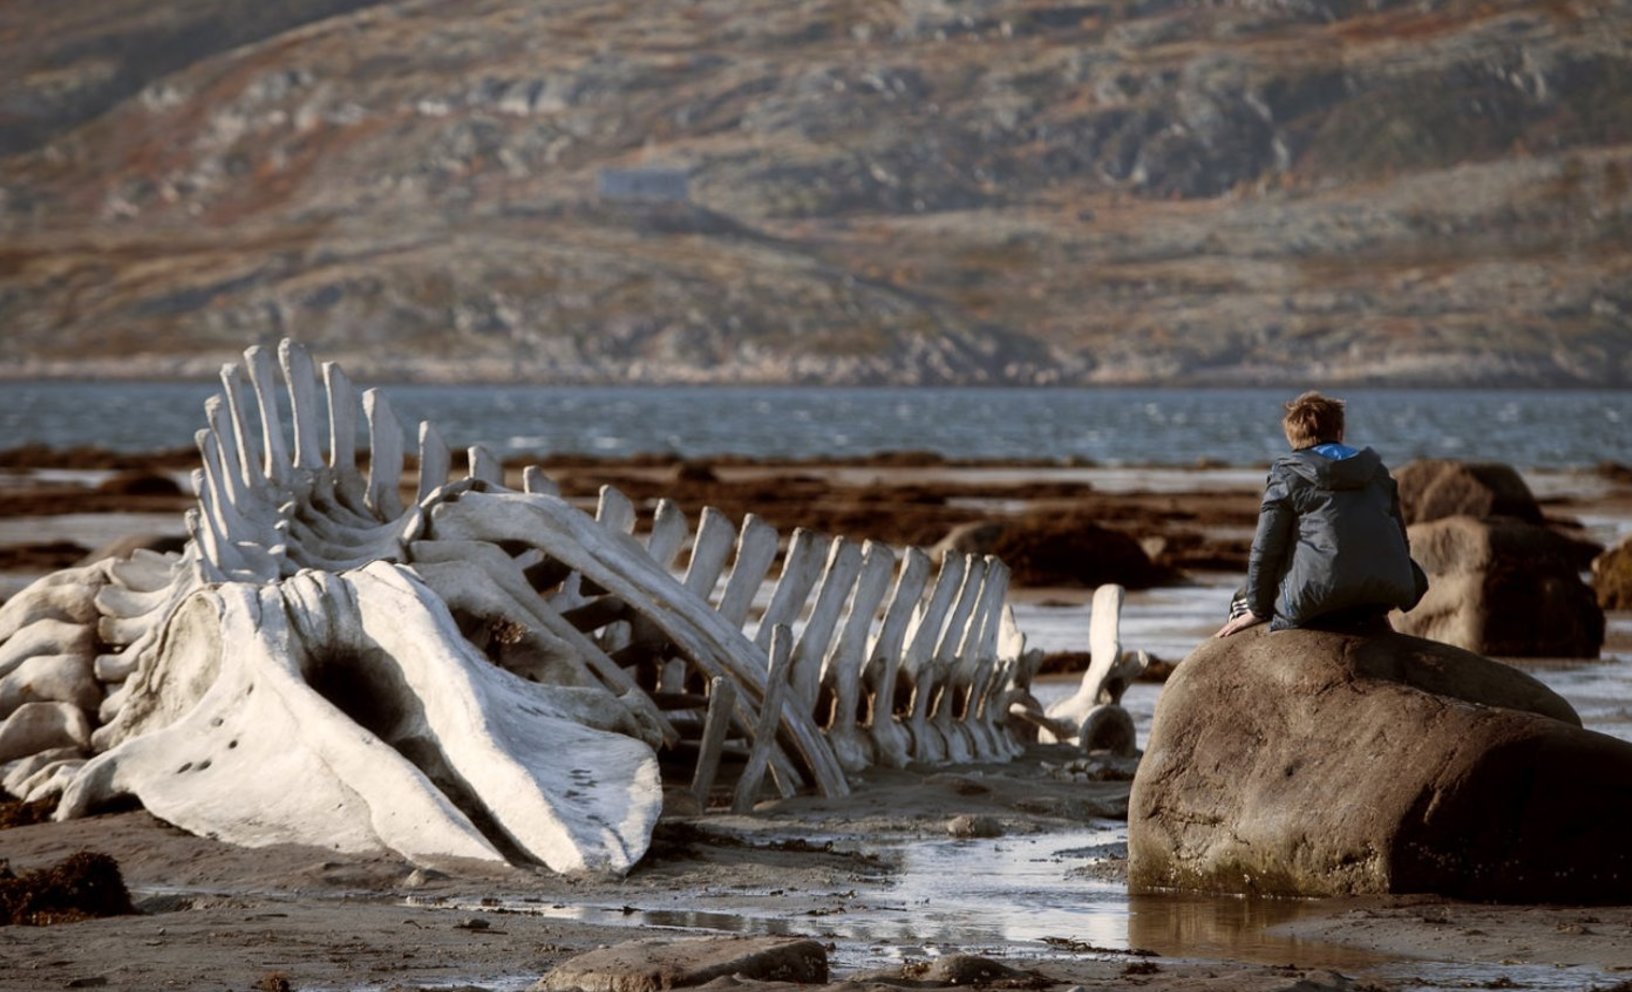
(885, 191)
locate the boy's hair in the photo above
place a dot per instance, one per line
(1312, 419)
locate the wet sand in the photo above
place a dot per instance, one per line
(877, 875)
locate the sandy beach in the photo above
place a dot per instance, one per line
(1019, 862)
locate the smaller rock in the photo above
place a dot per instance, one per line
(963, 785)
(139, 482)
(968, 826)
(1057, 549)
(1492, 579)
(1612, 577)
(659, 963)
(1108, 727)
(970, 969)
(680, 802)
(1435, 488)
(420, 877)
(695, 471)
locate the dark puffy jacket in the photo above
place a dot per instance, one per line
(1330, 538)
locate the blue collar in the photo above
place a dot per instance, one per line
(1335, 450)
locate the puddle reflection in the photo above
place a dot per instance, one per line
(1045, 893)
(1191, 926)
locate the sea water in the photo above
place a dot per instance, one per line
(1108, 426)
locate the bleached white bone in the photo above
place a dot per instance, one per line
(248, 726)
(669, 532)
(1109, 667)
(916, 665)
(722, 700)
(994, 673)
(617, 563)
(300, 376)
(971, 667)
(223, 463)
(372, 796)
(806, 556)
(276, 464)
(770, 714)
(45, 638)
(709, 549)
(615, 511)
(110, 668)
(51, 678)
(17, 771)
(38, 726)
(811, 646)
(533, 480)
(145, 570)
(435, 461)
(481, 628)
(385, 455)
(479, 574)
(120, 600)
(235, 392)
(892, 741)
(49, 781)
(841, 671)
(667, 537)
(485, 465)
(994, 708)
(1018, 667)
(756, 549)
(939, 671)
(348, 487)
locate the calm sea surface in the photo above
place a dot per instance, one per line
(1528, 429)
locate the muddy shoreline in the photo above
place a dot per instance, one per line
(845, 871)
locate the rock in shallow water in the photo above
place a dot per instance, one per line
(666, 963)
(1308, 763)
(1503, 587)
(1612, 577)
(1434, 488)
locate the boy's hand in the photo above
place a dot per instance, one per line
(1240, 623)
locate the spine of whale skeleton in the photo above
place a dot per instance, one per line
(477, 670)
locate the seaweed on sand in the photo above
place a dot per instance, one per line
(82, 886)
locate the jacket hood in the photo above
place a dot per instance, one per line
(1352, 472)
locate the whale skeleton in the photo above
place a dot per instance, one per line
(476, 670)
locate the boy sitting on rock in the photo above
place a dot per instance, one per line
(1330, 551)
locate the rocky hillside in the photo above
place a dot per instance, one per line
(913, 191)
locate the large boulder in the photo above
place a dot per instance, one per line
(1058, 549)
(1499, 586)
(1612, 577)
(1432, 488)
(1308, 763)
